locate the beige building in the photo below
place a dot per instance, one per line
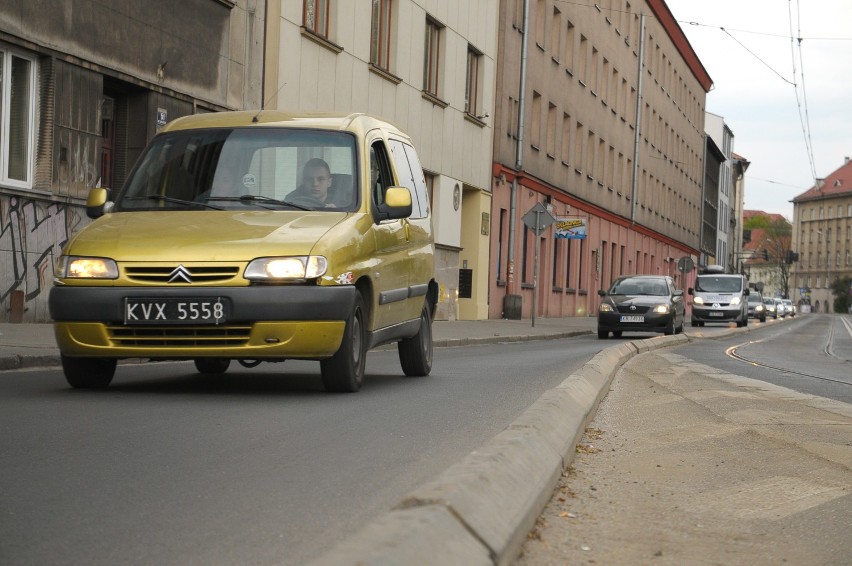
(427, 66)
(822, 236)
(600, 142)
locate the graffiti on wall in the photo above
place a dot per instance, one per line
(32, 234)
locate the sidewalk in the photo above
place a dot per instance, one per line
(33, 345)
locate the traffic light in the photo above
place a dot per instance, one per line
(792, 256)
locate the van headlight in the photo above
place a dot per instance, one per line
(698, 300)
(296, 268)
(735, 300)
(75, 267)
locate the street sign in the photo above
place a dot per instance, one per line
(685, 264)
(538, 219)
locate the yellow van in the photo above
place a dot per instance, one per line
(254, 236)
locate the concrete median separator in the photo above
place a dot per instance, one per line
(495, 494)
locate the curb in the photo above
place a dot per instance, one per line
(481, 508)
(21, 362)
(457, 342)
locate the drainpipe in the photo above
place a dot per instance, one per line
(510, 303)
(637, 133)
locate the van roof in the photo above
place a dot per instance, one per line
(354, 122)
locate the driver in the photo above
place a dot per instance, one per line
(316, 181)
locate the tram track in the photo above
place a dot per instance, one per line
(731, 352)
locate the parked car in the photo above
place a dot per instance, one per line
(789, 307)
(250, 237)
(641, 303)
(719, 297)
(756, 309)
(771, 307)
(780, 308)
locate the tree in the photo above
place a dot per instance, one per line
(841, 288)
(775, 235)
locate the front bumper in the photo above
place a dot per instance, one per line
(264, 322)
(720, 314)
(653, 322)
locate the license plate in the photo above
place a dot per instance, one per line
(632, 318)
(712, 313)
(209, 310)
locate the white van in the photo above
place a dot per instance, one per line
(719, 297)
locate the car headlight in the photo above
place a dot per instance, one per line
(75, 267)
(698, 301)
(735, 300)
(758, 308)
(297, 268)
(661, 309)
(605, 307)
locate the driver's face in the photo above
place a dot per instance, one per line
(317, 180)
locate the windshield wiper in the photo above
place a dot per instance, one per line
(257, 199)
(162, 198)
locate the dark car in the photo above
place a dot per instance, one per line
(641, 303)
(756, 308)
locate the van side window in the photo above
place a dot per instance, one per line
(380, 173)
(411, 177)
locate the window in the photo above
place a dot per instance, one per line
(380, 39)
(555, 33)
(432, 58)
(472, 81)
(316, 16)
(535, 121)
(17, 116)
(569, 47)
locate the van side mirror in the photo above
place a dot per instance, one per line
(678, 293)
(689, 291)
(96, 202)
(746, 292)
(397, 204)
(601, 292)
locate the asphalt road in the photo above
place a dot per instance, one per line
(260, 467)
(810, 353)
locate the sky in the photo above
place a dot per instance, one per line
(788, 103)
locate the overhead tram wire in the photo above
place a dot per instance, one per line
(803, 119)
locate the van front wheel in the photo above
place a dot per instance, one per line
(344, 371)
(88, 373)
(415, 353)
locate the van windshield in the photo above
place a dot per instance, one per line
(718, 284)
(244, 168)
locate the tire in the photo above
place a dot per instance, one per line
(603, 334)
(762, 319)
(670, 329)
(415, 353)
(344, 371)
(88, 373)
(212, 366)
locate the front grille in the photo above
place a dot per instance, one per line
(180, 336)
(199, 274)
(637, 310)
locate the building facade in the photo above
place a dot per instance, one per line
(85, 86)
(822, 236)
(605, 129)
(716, 128)
(429, 68)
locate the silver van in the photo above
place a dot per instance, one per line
(719, 297)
